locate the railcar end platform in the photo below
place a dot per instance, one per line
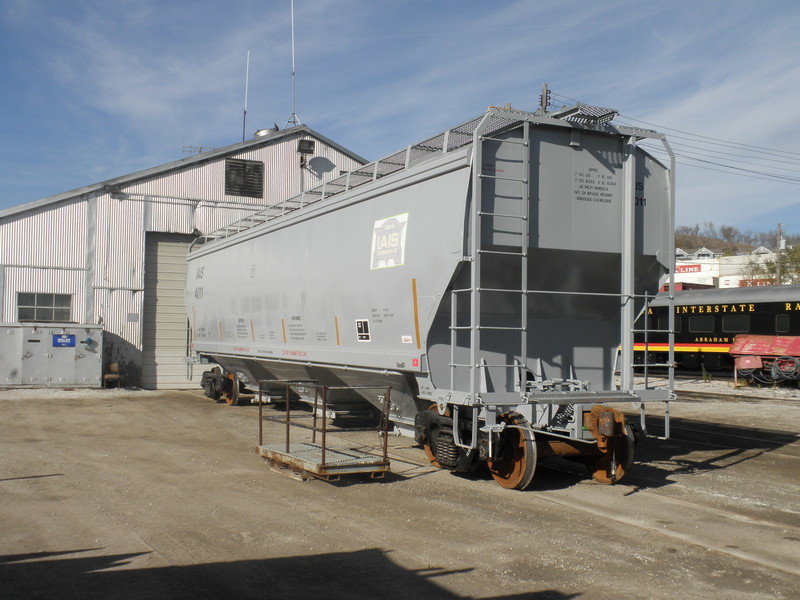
(328, 463)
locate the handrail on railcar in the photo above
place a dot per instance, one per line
(441, 143)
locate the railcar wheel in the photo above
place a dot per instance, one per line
(231, 394)
(514, 463)
(611, 466)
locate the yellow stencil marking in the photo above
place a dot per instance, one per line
(416, 312)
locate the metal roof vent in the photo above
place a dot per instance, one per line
(269, 131)
(585, 114)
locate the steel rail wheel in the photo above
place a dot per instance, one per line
(514, 463)
(231, 394)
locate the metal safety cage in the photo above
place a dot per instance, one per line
(321, 460)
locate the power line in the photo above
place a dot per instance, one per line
(720, 152)
(786, 178)
(685, 160)
(776, 152)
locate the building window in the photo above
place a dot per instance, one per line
(781, 323)
(244, 178)
(44, 308)
(736, 323)
(701, 324)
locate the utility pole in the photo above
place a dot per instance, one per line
(778, 265)
(544, 100)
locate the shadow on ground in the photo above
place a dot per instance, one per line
(700, 447)
(366, 574)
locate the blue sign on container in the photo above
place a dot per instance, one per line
(64, 340)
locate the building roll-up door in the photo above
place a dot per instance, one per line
(164, 321)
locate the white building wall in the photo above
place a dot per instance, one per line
(43, 280)
(194, 198)
(93, 246)
(44, 251)
(119, 313)
(119, 244)
(47, 237)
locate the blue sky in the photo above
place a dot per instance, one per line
(96, 89)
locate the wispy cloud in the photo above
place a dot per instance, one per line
(121, 86)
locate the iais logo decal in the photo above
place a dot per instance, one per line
(389, 242)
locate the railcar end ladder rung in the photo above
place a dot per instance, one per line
(501, 290)
(483, 365)
(505, 252)
(505, 141)
(484, 176)
(504, 215)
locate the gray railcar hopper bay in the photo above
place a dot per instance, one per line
(491, 275)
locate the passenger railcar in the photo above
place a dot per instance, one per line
(488, 274)
(708, 321)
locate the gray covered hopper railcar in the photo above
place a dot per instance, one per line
(490, 274)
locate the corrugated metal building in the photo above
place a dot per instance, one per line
(114, 253)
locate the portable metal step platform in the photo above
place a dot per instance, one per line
(321, 460)
(325, 463)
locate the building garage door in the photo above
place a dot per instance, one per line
(164, 320)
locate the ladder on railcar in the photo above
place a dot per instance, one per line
(512, 210)
(645, 331)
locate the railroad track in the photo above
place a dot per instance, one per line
(778, 443)
(694, 396)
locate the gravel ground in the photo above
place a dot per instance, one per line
(140, 494)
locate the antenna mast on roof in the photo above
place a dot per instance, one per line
(293, 120)
(246, 85)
